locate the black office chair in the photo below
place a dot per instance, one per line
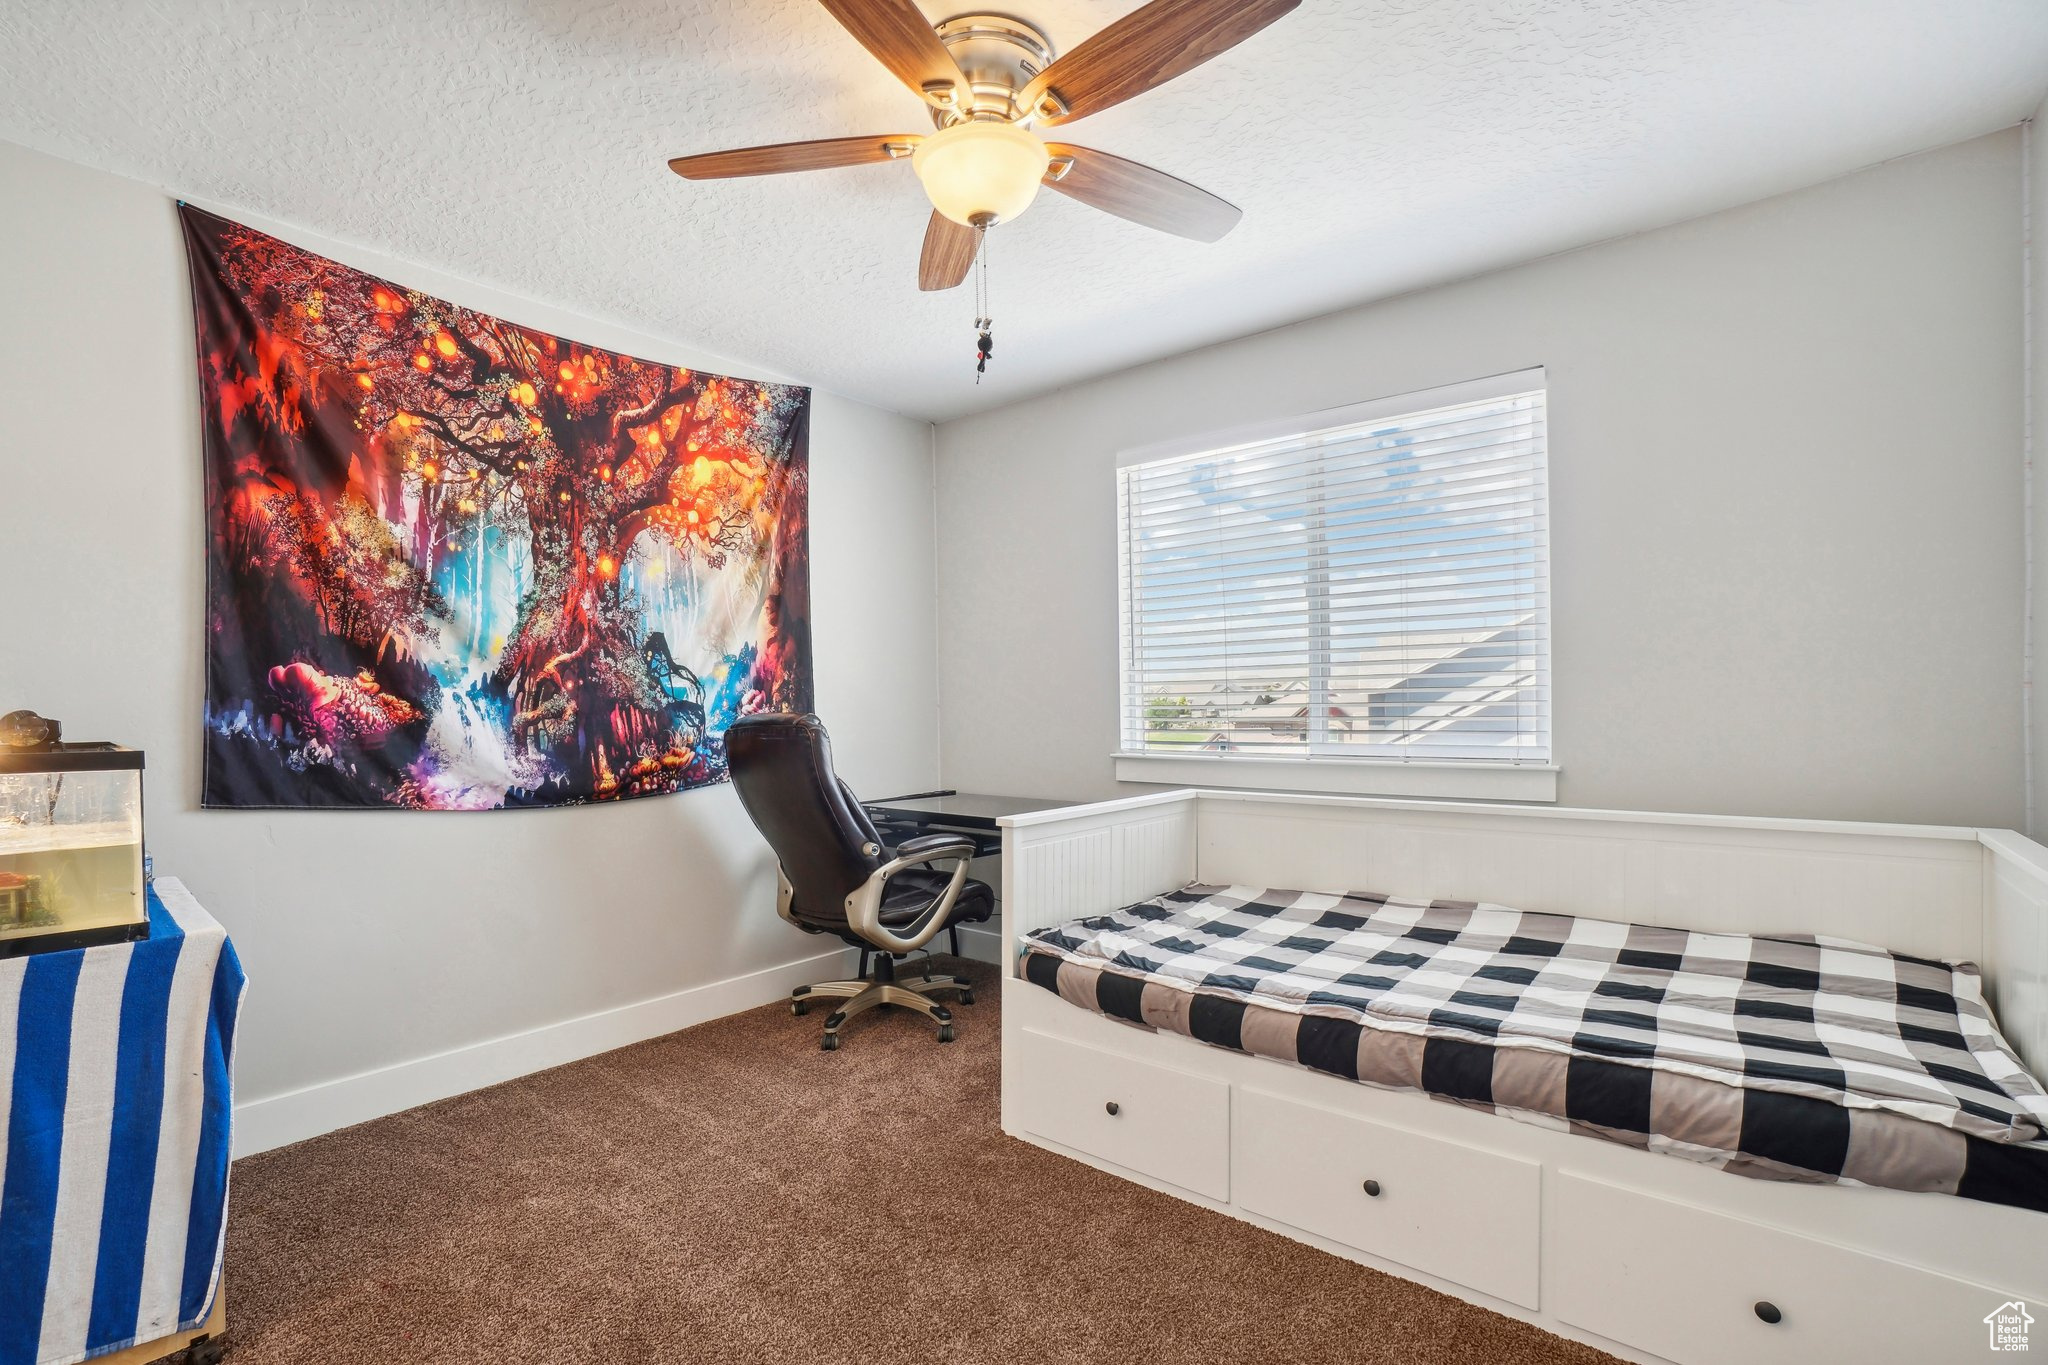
(836, 876)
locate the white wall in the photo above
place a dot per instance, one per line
(379, 938)
(1784, 478)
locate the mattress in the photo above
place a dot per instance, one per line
(1785, 1058)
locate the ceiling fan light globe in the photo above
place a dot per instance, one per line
(980, 172)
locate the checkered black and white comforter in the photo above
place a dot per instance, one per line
(1789, 1058)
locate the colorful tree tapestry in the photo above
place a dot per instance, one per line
(458, 564)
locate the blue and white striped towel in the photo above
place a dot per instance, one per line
(115, 1115)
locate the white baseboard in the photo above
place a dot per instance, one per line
(276, 1120)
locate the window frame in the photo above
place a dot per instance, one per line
(1327, 767)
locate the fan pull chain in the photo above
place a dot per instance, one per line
(984, 343)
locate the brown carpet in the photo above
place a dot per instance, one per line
(732, 1194)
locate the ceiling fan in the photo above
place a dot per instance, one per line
(988, 79)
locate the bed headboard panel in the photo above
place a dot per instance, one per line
(2016, 941)
(1088, 860)
(1915, 889)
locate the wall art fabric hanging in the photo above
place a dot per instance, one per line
(458, 564)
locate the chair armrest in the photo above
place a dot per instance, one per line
(864, 906)
(934, 846)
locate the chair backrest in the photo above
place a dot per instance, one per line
(781, 766)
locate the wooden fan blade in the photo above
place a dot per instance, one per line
(1146, 48)
(821, 155)
(903, 40)
(948, 252)
(1140, 193)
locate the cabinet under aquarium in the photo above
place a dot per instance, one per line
(70, 847)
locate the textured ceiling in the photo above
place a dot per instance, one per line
(1375, 147)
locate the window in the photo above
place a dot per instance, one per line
(1369, 584)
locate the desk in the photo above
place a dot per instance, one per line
(969, 813)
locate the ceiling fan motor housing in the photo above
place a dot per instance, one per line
(998, 55)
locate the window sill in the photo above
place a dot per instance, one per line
(1349, 777)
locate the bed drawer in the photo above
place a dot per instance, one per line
(1167, 1124)
(1687, 1284)
(1463, 1213)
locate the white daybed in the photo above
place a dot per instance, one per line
(1650, 1257)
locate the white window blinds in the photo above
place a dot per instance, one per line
(1374, 588)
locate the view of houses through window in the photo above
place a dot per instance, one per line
(1375, 587)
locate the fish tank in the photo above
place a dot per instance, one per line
(70, 847)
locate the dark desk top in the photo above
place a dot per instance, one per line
(958, 810)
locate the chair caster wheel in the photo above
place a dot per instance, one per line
(830, 1043)
(967, 997)
(798, 1007)
(945, 1033)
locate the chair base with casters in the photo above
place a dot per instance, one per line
(883, 987)
(924, 902)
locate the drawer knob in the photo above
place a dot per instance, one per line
(1372, 1189)
(1768, 1311)
(1112, 1108)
